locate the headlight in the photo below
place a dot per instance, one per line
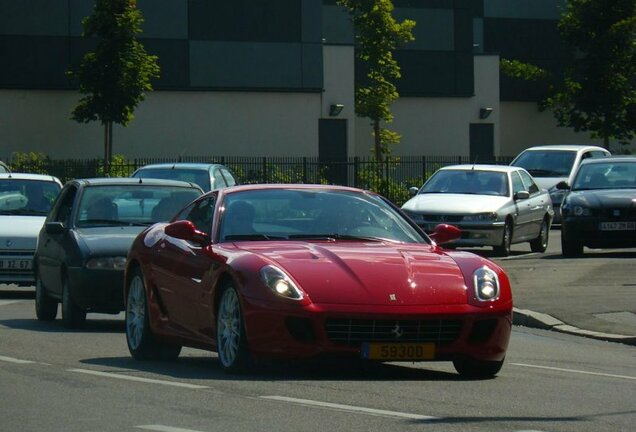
(486, 284)
(106, 263)
(280, 283)
(481, 217)
(580, 211)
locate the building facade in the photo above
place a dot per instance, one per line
(266, 78)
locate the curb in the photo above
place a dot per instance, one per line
(528, 318)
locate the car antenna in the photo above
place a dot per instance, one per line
(474, 162)
(140, 182)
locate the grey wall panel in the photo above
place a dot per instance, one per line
(245, 65)
(536, 9)
(34, 17)
(478, 35)
(34, 62)
(311, 20)
(173, 59)
(336, 25)
(78, 10)
(164, 19)
(434, 28)
(426, 73)
(312, 66)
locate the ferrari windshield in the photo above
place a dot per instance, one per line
(27, 197)
(606, 175)
(476, 182)
(317, 214)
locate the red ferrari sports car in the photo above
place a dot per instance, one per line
(298, 271)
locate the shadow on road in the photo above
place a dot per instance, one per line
(92, 326)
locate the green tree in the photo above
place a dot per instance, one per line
(377, 35)
(115, 77)
(598, 93)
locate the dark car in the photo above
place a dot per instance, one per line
(208, 176)
(599, 211)
(82, 247)
(300, 271)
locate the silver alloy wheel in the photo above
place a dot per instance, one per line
(136, 312)
(228, 328)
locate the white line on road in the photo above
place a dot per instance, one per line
(15, 360)
(575, 371)
(162, 428)
(350, 408)
(138, 379)
(8, 302)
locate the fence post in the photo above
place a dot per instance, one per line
(264, 169)
(304, 169)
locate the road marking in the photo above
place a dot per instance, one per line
(349, 408)
(138, 379)
(15, 360)
(162, 428)
(8, 302)
(575, 371)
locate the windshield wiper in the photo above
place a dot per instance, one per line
(332, 237)
(252, 237)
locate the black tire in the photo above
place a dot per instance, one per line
(73, 316)
(231, 340)
(142, 343)
(45, 306)
(506, 242)
(540, 244)
(570, 247)
(471, 368)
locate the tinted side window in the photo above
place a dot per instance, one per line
(517, 183)
(64, 206)
(229, 178)
(598, 154)
(219, 181)
(530, 185)
(201, 214)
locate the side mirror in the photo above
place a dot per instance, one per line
(445, 233)
(413, 191)
(522, 195)
(185, 230)
(54, 228)
(562, 185)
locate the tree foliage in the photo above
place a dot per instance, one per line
(598, 93)
(115, 77)
(521, 70)
(377, 35)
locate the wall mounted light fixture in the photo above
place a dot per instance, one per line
(484, 113)
(335, 109)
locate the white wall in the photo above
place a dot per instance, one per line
(166, 124)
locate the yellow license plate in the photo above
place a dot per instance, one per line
(398, 351)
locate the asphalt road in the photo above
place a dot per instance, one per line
(52, 379)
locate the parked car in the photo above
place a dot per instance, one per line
(297, 271)
(25, 200)
(4, 168)
(551, 164)
(82, 248)
(599, 209)
(208, 176)
(493, 205)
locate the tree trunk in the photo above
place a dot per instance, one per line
(108, 146)
(377, 149)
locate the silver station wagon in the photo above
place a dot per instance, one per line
(493, 205)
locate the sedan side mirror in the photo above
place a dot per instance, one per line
(562, 185)
(185, 230)
(445, 233)
(413, 191)
(54, 228)
(522, 195)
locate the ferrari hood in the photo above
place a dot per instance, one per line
(112, 241)
(372, 273)
(454, 203)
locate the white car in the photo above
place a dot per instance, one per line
(25, 200)
(551, 164)
(493, 205)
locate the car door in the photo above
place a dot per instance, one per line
(51, 251)
(522, 206)
(538, 204)
(181, 268)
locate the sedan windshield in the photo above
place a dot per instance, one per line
(320, 214)
(546, 163)
(607, 175)
(135, 204)
(27, 197)
(474, 182)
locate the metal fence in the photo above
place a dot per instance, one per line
(392, 177)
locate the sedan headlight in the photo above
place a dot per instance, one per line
(280, 283)
(486, 284)
(481, 217)
(580, 211)
(106, 263)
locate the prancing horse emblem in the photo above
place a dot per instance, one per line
(397, 331)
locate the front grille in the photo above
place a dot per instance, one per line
(357, 331)
(618, 214)
(442, 218)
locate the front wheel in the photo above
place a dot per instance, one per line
(471, 368)
(73, 316)
(506, 241)
(230, 332)
(141, 342)
(45, 306)
(540, 244)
